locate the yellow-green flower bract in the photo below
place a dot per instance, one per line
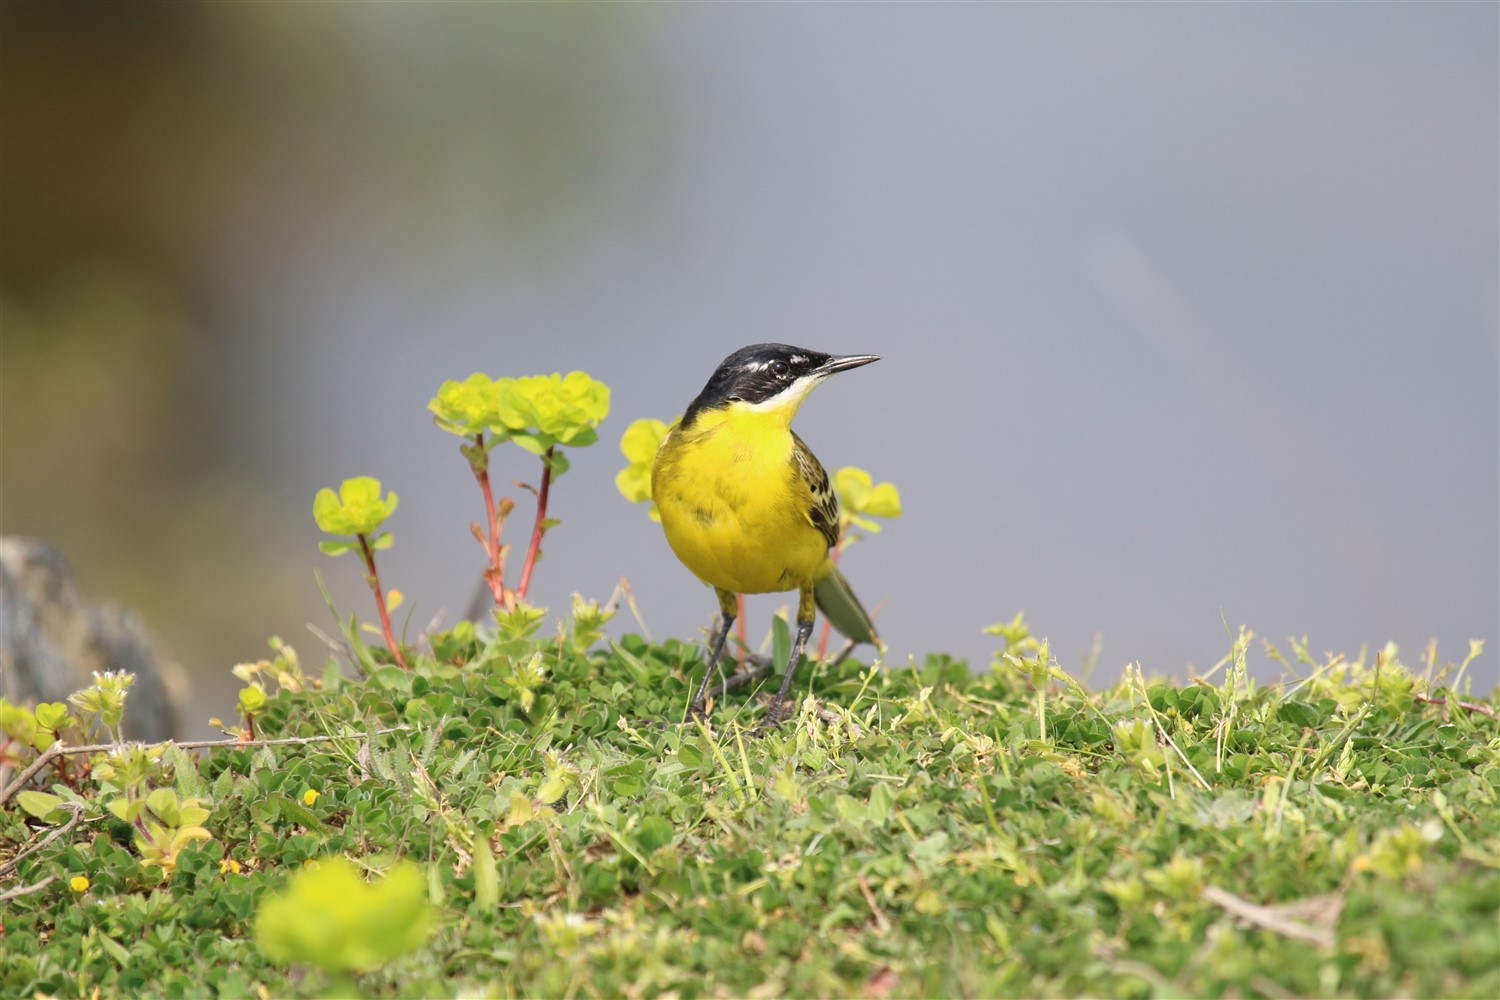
(357, 508)
(639, 444)
(329, 916)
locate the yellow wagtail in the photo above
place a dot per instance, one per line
(747, 506)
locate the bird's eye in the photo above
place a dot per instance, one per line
(780, 368)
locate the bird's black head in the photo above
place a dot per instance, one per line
(769, 376)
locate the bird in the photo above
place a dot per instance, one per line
(748, 508)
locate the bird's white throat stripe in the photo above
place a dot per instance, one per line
(792, 395)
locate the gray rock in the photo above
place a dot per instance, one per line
(52, 640)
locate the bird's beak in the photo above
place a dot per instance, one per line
(841, 364)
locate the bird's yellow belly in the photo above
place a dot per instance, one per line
(737, 516)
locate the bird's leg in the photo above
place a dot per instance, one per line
(805, 611)
(773, 714)
(727, 609)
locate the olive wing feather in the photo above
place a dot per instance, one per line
(824, 512)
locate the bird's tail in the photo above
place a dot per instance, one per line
(839, 605)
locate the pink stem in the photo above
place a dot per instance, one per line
(539, 528)
(495, 577)
(385, 616)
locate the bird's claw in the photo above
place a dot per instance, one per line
(767, 724)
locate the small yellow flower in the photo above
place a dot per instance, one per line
(229, 865)
(310, 796)
(79, 883)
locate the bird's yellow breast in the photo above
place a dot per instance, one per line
(734, 507)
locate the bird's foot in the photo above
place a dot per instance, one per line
(768, 722)
(695, 715)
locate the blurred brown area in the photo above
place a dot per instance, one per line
(79, 82)
(147, 151)
(112, 442)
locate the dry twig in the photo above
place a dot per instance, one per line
(1288, 920)
(1445, 702)
(59, 750)
(27, 890)
(77, 814)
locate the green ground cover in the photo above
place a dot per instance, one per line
(917, 830)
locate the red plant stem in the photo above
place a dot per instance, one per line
(1471, 706)
(62, 772)
(838, 548)
(385, 616)
(495, 578)
(64, 776)
(539, 528)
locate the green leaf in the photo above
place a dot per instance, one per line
(193, 815)
(18, 722)
(580, 438)
(537, 444)
(1299, 714)
(52, 715)
(295, 811)
(881, 802)
(163, 802)
(486, 877)
(391, 678)
(552, 789)
(781, 642)
(116, 950)
(336, 548)
(43, 806)
(654, 832)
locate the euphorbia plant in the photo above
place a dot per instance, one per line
(357, 509)
(542, 414)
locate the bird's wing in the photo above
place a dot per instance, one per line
(824, 512)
